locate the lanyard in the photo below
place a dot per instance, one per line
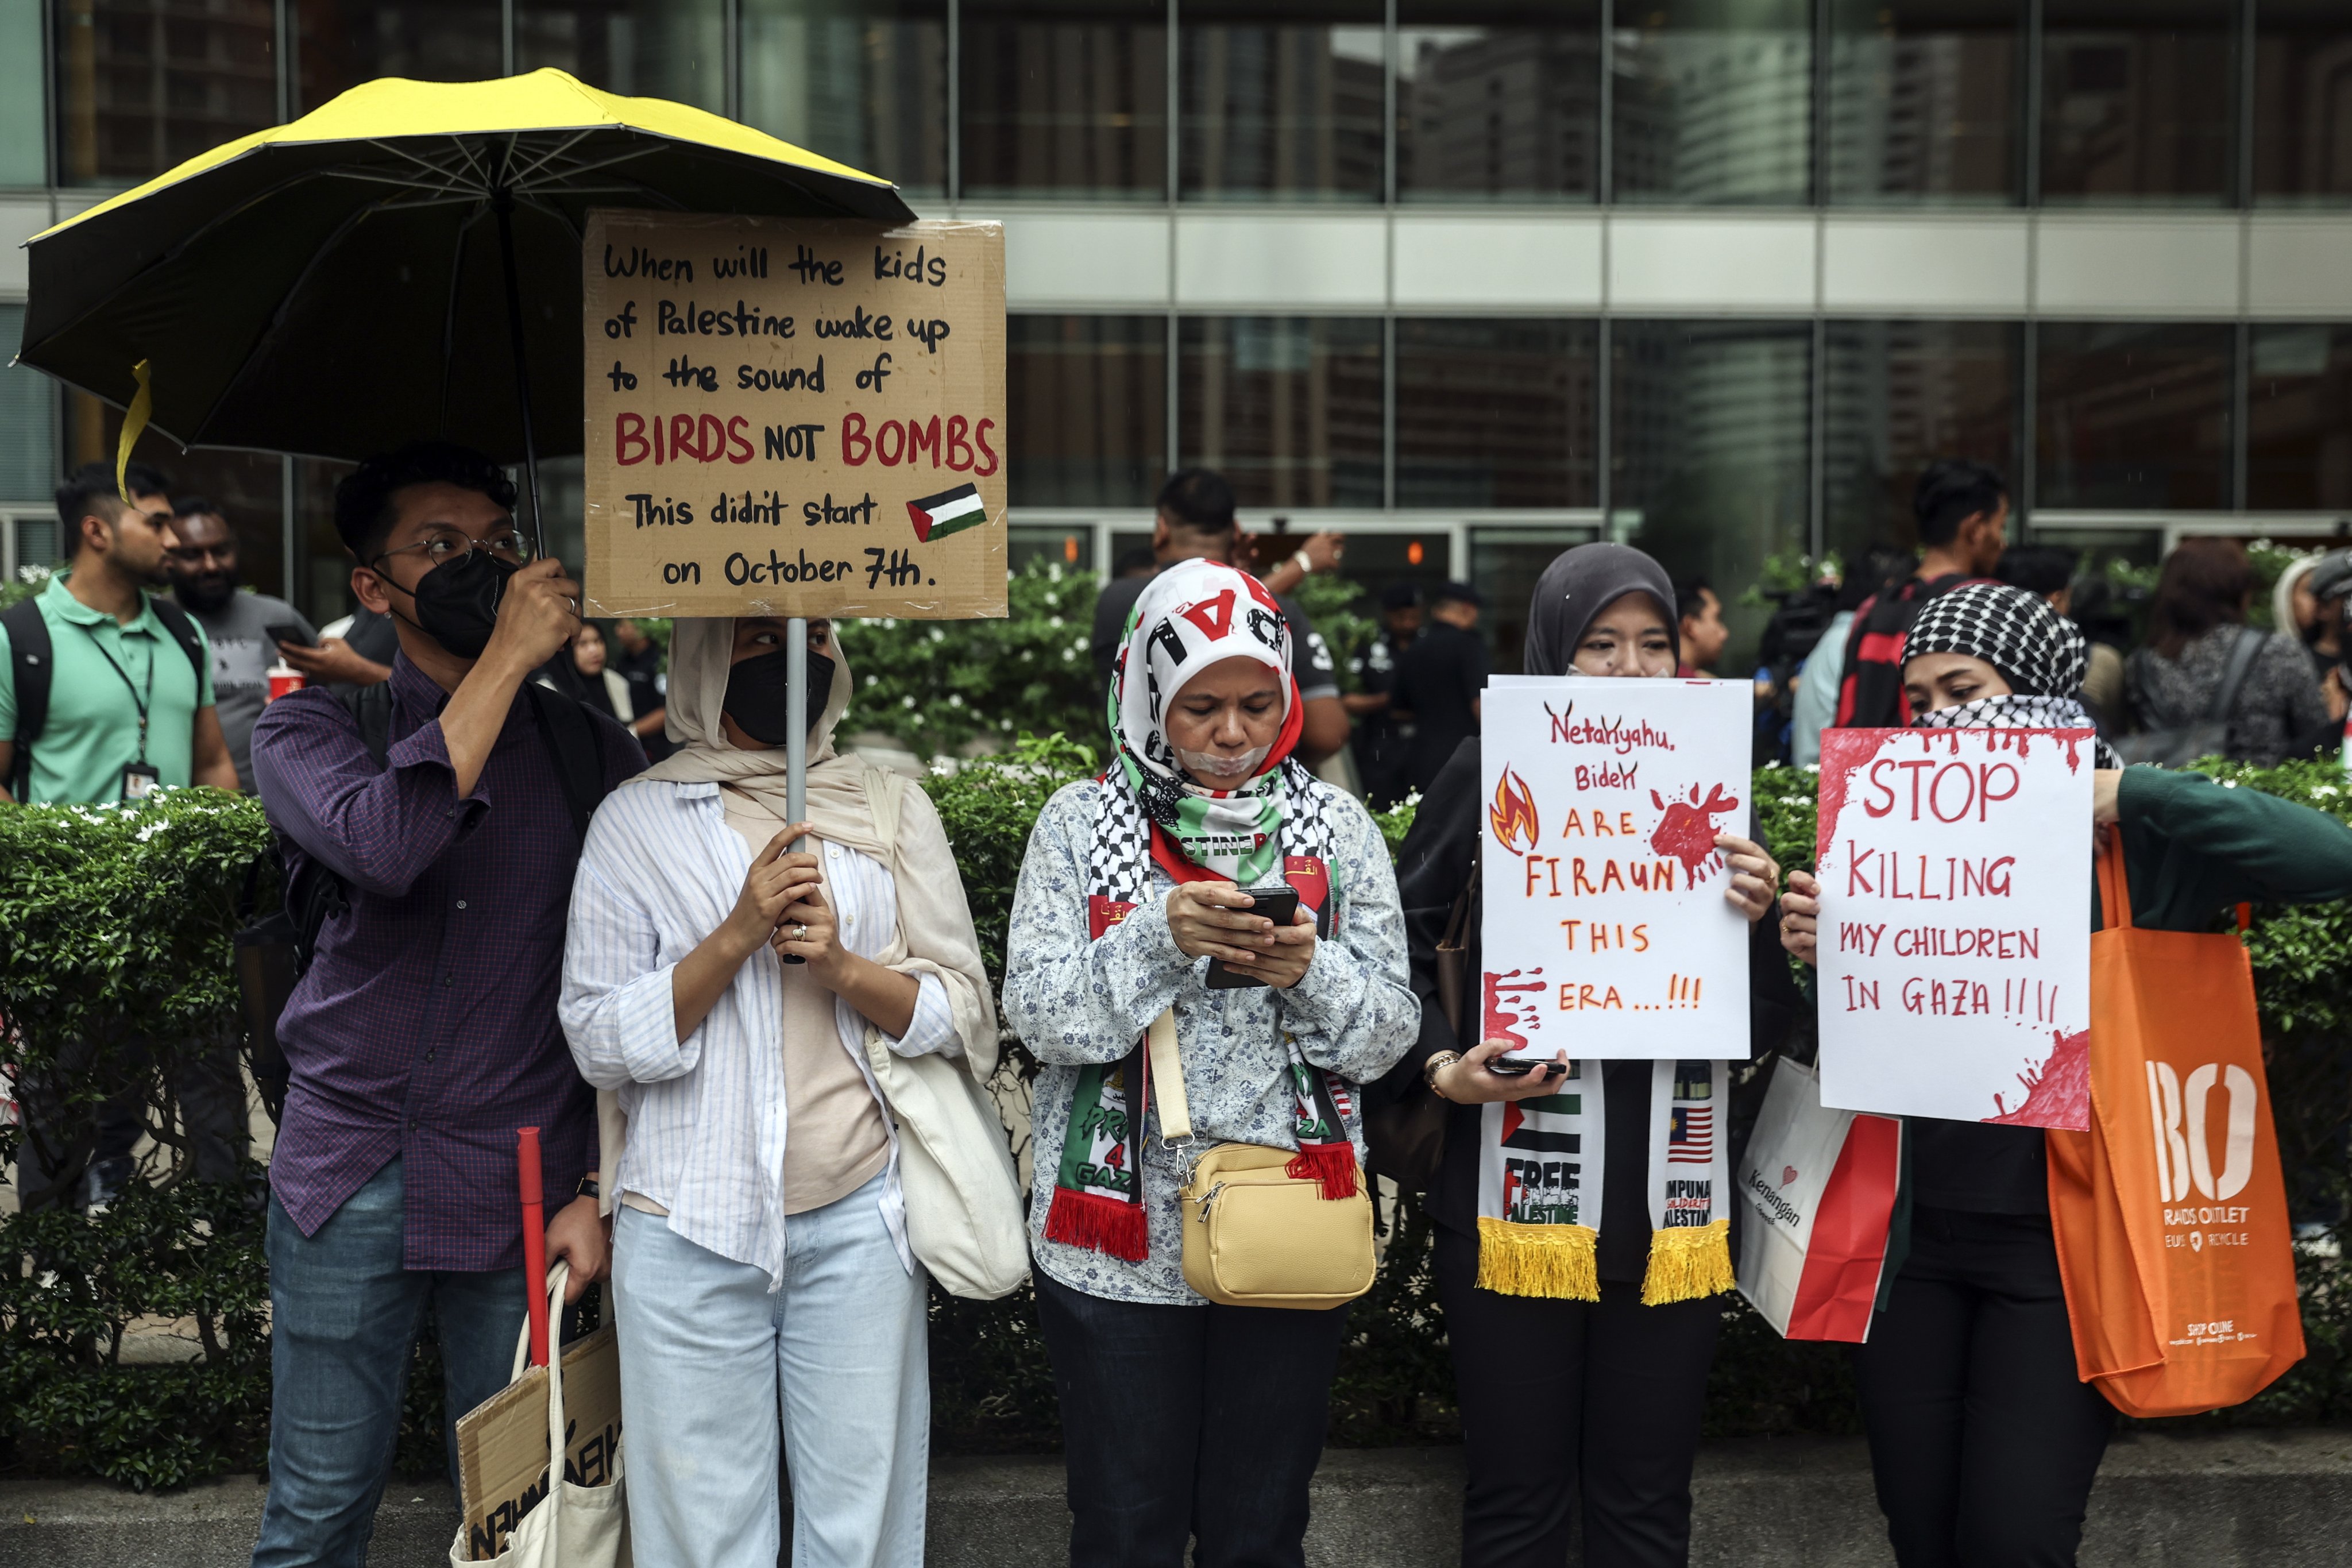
(139, 698)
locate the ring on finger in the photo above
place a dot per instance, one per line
(800, 934)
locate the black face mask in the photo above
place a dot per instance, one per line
(758, 691)
(457, 602)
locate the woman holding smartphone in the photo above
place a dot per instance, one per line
(1183, 1418)
(1570, 1385)
(1984, 1439)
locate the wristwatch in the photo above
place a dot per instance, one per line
(589, 1187)
(1437, 1063)
(1304, 563)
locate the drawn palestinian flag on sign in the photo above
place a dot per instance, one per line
(950, 511)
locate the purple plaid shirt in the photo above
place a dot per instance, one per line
(425, 1030)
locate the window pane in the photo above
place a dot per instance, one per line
(2135, 100)
(1925, 100)
(1288, 407)
(647, 48)
(141, 88)
(1494, 413)
(2299, 419)
(1713, 101)
(1712, 438)
(1899, 396)
(1504, 566)
(1062, 97)
(28, 420)
(1282, 101)
(862, 81)
(24, 106)
(342, 43)
(2133, 416)
(323, 569)
(1497, 101)
(2303, 101)
(1085, 409)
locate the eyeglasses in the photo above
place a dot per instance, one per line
(448, 545)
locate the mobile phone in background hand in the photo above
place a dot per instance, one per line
(1278, 903)
(1505, 1067)
(288, 632)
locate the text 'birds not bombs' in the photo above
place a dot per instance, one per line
(794, 417)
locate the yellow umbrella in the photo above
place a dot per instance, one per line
(325, 287)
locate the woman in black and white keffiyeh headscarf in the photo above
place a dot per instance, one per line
(1987, 629)
(1971, 1352)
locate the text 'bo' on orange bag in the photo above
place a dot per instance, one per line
(2170, 1212)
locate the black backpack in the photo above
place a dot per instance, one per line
(274, 950)
(32, 658)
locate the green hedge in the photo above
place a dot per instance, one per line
(117, 926)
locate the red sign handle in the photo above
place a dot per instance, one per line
(534, 1240)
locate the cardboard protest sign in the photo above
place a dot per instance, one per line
(502, 1442)
(1955, 946)
(1606, 930)
(794, 417)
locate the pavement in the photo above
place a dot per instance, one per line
(2280, 1499)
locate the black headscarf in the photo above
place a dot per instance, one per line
(2036, 650)
(1578, 586)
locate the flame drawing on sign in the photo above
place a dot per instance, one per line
(1513, 813)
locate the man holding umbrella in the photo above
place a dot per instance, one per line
(424, 1032)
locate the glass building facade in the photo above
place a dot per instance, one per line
(1473, 280)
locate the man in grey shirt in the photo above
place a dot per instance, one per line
(202, 559)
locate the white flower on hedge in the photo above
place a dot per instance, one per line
(908, 700)
(955, 699)
(1055, 622)
(873, 680)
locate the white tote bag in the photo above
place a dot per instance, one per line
(1819, 1185)
(570, 1526)
(964, 1217)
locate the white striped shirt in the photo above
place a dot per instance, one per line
(660, 872)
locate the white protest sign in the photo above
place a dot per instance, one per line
(1956, 925)
(1606, 931)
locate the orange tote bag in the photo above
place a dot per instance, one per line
(2170, 1212)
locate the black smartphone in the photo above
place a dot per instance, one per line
(1503, 1067)
(1278, 903)
(288, 631)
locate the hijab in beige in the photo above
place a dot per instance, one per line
(935, 932)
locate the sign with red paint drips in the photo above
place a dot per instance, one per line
(1954, 945)
(1606, 931)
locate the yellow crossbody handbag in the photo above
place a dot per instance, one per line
(1256, 1235)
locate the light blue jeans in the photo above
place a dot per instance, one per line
(710, 1357)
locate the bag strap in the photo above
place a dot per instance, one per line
(31, 656)
(570, 737)
(1166, 1078)
(2114, 883)
(2242, 649)
(885, 792)
(184, 631)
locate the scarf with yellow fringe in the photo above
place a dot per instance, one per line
(1540, 1164)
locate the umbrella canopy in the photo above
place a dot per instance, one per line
(342, 284)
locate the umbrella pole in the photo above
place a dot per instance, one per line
(504, 203)
(797, 743)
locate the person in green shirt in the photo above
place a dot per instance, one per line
(1984, 1439)
(128, 709)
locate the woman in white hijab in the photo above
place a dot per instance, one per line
(728, 988)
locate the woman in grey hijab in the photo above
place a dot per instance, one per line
(1563, 1398)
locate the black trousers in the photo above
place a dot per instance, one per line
(1200, 1422)
(1983, 1441)
(1562, 1399)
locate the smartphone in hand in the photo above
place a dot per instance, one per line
(290, 632)
(1278, 903)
